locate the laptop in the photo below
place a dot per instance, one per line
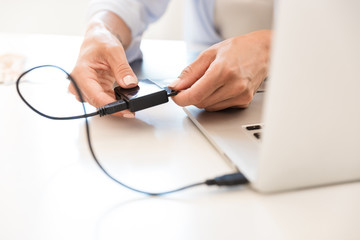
(302, 129)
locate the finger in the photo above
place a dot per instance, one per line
(125, 114)
(91, 90)
(194, 71)
(101, 98)
(209, 83)
(229, 103)
(120, 68)
(96, 96)
(73, 91)
(78, 98)
(238, 89)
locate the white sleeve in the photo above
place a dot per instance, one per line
(137, 14)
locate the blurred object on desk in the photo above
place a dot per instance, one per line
(11, 66)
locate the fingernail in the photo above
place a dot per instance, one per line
(174, 83)
(129, 115)
(129, 80)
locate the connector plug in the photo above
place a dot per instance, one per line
(228, 180)
(113, 107)
(146, 94)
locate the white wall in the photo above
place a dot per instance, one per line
(42, 16)
(68, 17)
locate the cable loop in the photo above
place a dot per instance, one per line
(100, 111)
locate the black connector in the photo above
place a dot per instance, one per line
(228, 180)
(113, 107)
(146, 94)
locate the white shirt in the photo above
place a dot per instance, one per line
(200, 26)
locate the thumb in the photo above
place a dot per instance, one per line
(194, 71)
(121, 69)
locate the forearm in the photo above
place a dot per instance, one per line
(114, 24)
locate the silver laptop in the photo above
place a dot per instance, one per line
(304, 129)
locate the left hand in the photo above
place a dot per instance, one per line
(225, 75)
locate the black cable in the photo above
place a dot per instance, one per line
(47, 116)
(110, 108)
(225, 180)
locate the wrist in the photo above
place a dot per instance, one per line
(262, 38)
(95, 25)
(110, 22)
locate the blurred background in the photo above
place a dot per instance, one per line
(68, 17)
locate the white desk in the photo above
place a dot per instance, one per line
(51, 189)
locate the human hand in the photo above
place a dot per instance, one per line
(225, 75)
(101, 62)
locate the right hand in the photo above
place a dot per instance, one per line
(100, 63)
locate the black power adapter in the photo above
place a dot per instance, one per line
(147, 94)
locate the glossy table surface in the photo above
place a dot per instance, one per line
(51, 188)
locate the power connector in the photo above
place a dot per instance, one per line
(147, 94)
